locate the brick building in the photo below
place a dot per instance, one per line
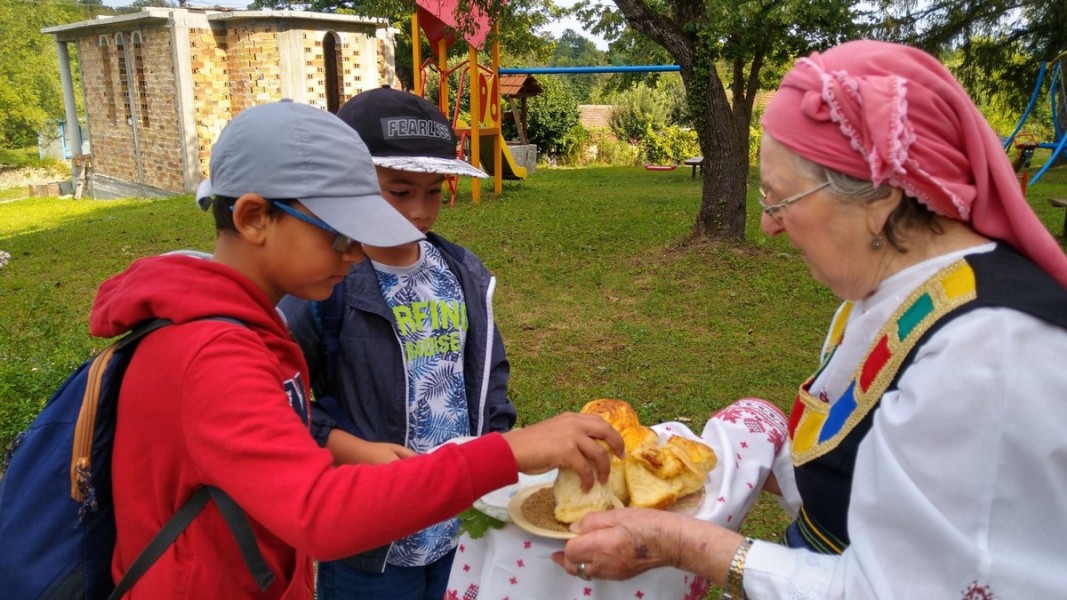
(160, 84)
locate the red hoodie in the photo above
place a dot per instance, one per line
(216, 403)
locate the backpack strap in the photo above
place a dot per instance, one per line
(246, 538)
(82, 449)
(234, 516)
(235, 519)
(85, 428)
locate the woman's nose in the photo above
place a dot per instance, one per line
(769, 225)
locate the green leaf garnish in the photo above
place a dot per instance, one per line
(475, 523)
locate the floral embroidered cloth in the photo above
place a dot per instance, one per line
(510, 564)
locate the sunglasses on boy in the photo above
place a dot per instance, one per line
(340, 243)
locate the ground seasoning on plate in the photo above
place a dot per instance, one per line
(540, 509)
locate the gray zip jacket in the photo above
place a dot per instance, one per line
(368, 397)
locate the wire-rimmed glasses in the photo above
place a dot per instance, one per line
(771, 209)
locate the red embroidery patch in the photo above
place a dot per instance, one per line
(697, 588)
(794, 416)
(879, 355)
(977, 591)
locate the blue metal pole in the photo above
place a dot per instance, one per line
(1029, 107)
(575, 70)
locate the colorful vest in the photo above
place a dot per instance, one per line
(826, 436)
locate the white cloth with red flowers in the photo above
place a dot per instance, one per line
(749, 439)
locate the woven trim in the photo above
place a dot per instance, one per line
(822, 426)
(819, 540)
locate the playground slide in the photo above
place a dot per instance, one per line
(510, 169)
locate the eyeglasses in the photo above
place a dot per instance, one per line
(771, 209)
(341, 243)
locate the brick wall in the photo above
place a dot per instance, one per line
(112, 137)
(234, 64)
(349, 49)
(157, 119)
(129, 85)
(386, 71)
(254, 64)
(211, 88)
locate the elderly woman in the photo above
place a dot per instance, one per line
(929, 449)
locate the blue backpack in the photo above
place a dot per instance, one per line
(57, 520)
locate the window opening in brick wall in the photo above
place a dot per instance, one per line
(141, 81)
(124, 79)
(108, 79)
(333, 57)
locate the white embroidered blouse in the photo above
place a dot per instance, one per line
(960, 487)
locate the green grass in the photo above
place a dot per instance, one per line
(600, 293)
(19, 158)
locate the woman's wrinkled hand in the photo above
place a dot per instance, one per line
(619, 544)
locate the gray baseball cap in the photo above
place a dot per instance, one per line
(286, 150)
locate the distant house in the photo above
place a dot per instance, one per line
(595, 116)
(160, 84)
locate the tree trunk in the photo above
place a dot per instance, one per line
(721, 125)
(722, 130)
(725, 148)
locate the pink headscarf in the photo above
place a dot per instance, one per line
(910, 124)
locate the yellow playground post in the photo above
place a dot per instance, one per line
(488, 149)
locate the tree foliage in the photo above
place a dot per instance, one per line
(998, 44)
(139, 4)
(553, 116)
(30, 88)
(639, 110)
(574, 50)
(743, 37)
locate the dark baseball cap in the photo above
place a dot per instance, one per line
(405, 132)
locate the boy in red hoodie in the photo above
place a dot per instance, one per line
(211, 402)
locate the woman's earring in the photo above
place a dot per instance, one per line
(876, 243)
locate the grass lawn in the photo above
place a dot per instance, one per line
(599, 293)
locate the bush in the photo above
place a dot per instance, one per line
(670, 145)
(29, 157)
(574, 147)
(639, 110)
(755, 134)
(599, 147)
(673, 90)
(552, 117)
(615, 152)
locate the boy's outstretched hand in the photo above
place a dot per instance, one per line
(568, 441)
(348, 449)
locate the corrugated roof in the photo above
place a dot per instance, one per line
(517, 85)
